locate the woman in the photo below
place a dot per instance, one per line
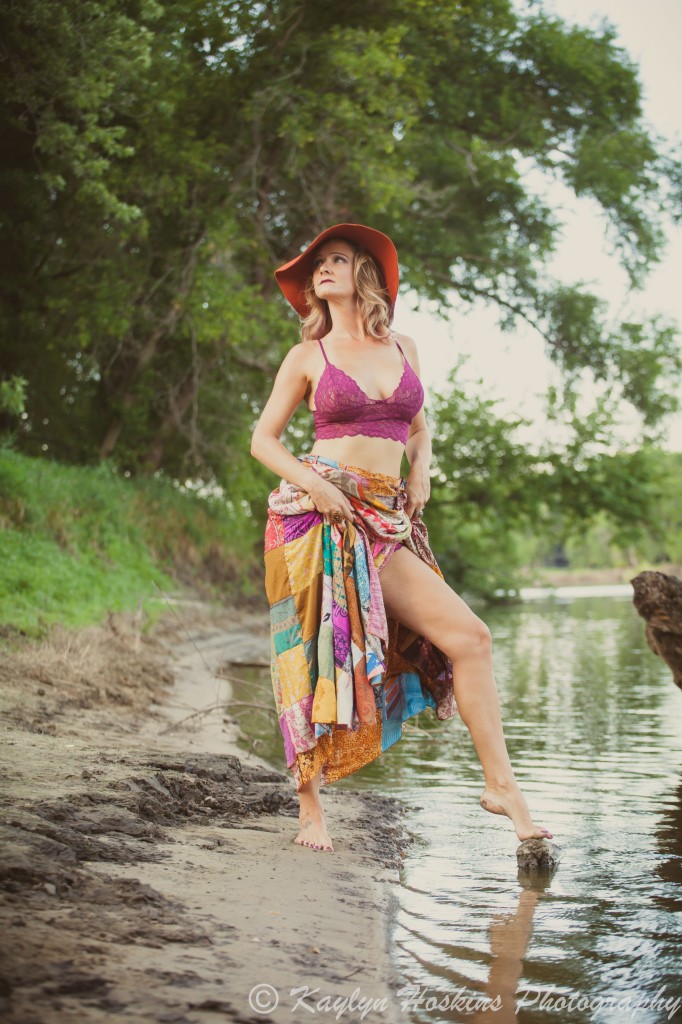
(365, 631)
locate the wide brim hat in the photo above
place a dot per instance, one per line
(292, 277)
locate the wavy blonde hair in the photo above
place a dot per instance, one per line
(374, 302)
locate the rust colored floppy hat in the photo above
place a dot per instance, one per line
(293, 276)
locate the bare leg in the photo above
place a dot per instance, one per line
(416, 596)
(313, 831)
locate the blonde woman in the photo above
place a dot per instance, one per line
(365, 631)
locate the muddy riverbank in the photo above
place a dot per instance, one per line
(147, 866)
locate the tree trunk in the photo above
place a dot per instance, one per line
(148, 350)
(177, 407)
(115, 427)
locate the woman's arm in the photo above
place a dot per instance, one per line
(289, 389)
(418, 448)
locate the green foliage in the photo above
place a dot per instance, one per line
(159, 160)
(656, 539)
(13, 396)
(479, 494)
(611, 539)
(153, 185)
(76, 542)
(70, 109)
(497, 504)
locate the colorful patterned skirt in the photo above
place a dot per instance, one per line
(345, 675)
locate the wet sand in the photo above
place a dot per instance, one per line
(147, 863)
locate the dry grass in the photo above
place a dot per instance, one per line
(116, 663)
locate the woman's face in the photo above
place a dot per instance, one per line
(333, 270)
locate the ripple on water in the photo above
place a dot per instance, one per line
(594, 728)
(604, 775)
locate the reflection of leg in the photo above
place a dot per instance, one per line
(509, 937)
(313, 831)
(416, 596)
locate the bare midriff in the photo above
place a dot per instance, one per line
(377, 454)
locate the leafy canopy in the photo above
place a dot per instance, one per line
(159, 159)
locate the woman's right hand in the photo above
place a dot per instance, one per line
(330, 499)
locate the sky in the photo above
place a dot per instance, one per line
(512, 366)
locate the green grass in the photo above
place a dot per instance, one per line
(79, 541)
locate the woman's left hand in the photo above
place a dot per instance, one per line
(418, 487)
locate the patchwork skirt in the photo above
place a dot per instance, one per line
(345, 675)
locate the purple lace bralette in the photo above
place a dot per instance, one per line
(343, 409)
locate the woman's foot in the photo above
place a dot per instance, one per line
(508, 799)
(313, 831)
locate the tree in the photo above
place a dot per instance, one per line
(155, 185)
(490, 494)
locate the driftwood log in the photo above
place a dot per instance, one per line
(658, 599)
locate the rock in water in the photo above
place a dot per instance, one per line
(537, 855)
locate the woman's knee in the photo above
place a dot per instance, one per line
(474, 640)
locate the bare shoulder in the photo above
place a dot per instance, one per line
(409, 347)
(300, 357)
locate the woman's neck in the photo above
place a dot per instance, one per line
(347, 321)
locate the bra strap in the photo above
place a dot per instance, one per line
(323, 351)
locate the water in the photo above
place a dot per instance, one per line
(594, 729)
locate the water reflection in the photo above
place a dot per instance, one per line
(669, 837)
(594, 726)
(509, 935)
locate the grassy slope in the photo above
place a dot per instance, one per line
(78, 541)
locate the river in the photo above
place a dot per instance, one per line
(594, 729)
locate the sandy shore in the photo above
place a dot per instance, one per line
(148, 869)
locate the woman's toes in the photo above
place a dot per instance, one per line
(311, 846)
